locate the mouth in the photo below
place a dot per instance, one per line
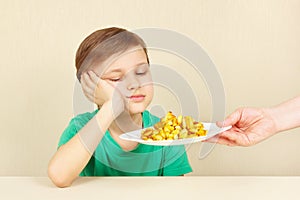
(137, 98)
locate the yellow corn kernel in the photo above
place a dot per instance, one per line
(169, 123)
(199, 125)
(171, 128)
(158, 137)
(163, 135)
(168, 128)
(174, 121)
(165, 129)
(201, 133)
(175, 132)
(167, 134)
(170, 138)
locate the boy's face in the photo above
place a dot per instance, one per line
(129, 73)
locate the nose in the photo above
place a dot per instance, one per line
(132, 82)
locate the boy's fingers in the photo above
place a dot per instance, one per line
(94, 77)
(91, 98)
(90, 95)
(84, 84)
(87, 80)
(89, 92)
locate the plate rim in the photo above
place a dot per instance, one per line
(169, 142)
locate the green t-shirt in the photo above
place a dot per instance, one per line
(109, 159)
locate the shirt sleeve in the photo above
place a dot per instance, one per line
(74, 126)
(68, 133)
(175, 161)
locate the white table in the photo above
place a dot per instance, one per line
(198, 187)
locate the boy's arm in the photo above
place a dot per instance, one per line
(71, 158)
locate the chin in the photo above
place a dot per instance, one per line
(136, 109)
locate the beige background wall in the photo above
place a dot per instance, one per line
(254, 44)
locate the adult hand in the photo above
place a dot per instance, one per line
(249, 126)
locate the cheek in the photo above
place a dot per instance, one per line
(146, 80)
(121, 87)
(149, 90)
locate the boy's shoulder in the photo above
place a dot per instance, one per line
(86, 115)
(75, 125)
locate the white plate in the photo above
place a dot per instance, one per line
(212, 128)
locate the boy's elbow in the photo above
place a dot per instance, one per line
(56, 177)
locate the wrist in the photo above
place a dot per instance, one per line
(112, 108)
(104, 117)
(274, 114)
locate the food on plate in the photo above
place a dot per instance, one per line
(171, 127)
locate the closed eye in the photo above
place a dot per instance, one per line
(140, 73)
(114, 79)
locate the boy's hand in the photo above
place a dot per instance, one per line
(88, 84)
(99, 91)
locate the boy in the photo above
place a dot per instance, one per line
(116, 61)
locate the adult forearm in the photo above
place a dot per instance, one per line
(287, 114)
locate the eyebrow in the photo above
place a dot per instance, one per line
(141, 63)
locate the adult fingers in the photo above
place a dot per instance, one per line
(231, 135)
(221, 140)
(239, 138)
(232, 119)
